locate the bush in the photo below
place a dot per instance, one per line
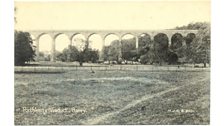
(144, 59)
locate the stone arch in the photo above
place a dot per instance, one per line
(97, 42)
(61, 41)
(110, 34)
(129, 33)
(44, 33)
(94, 33)
(45, 42)
(58, 34)
(40, 37)
(72, 36)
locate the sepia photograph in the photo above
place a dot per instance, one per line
(112, 62)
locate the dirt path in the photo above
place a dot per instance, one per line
(98, 119)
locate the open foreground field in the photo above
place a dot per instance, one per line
(112, 97)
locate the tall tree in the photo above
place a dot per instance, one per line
(24, 49)
(201, 46)
(198, 46)
(106, 53)
(114, 51)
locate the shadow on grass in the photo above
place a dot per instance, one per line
(39, 72)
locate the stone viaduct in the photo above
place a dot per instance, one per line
(103, 33)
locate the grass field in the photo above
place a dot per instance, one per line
(112, 97)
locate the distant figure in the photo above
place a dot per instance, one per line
(178, 66)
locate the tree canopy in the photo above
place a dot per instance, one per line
(71, 54)
(199, 51)
(129, 49)
(176, 41)
(114, 51)
(144, 40)
(161, 44)
(193, 26)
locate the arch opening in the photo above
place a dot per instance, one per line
(79, 41)
(45, 47)
(61, 42)
(95, 42)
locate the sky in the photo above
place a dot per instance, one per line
(112, 15)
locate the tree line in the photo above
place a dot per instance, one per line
(193, 48)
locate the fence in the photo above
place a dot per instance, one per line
(148, 68)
